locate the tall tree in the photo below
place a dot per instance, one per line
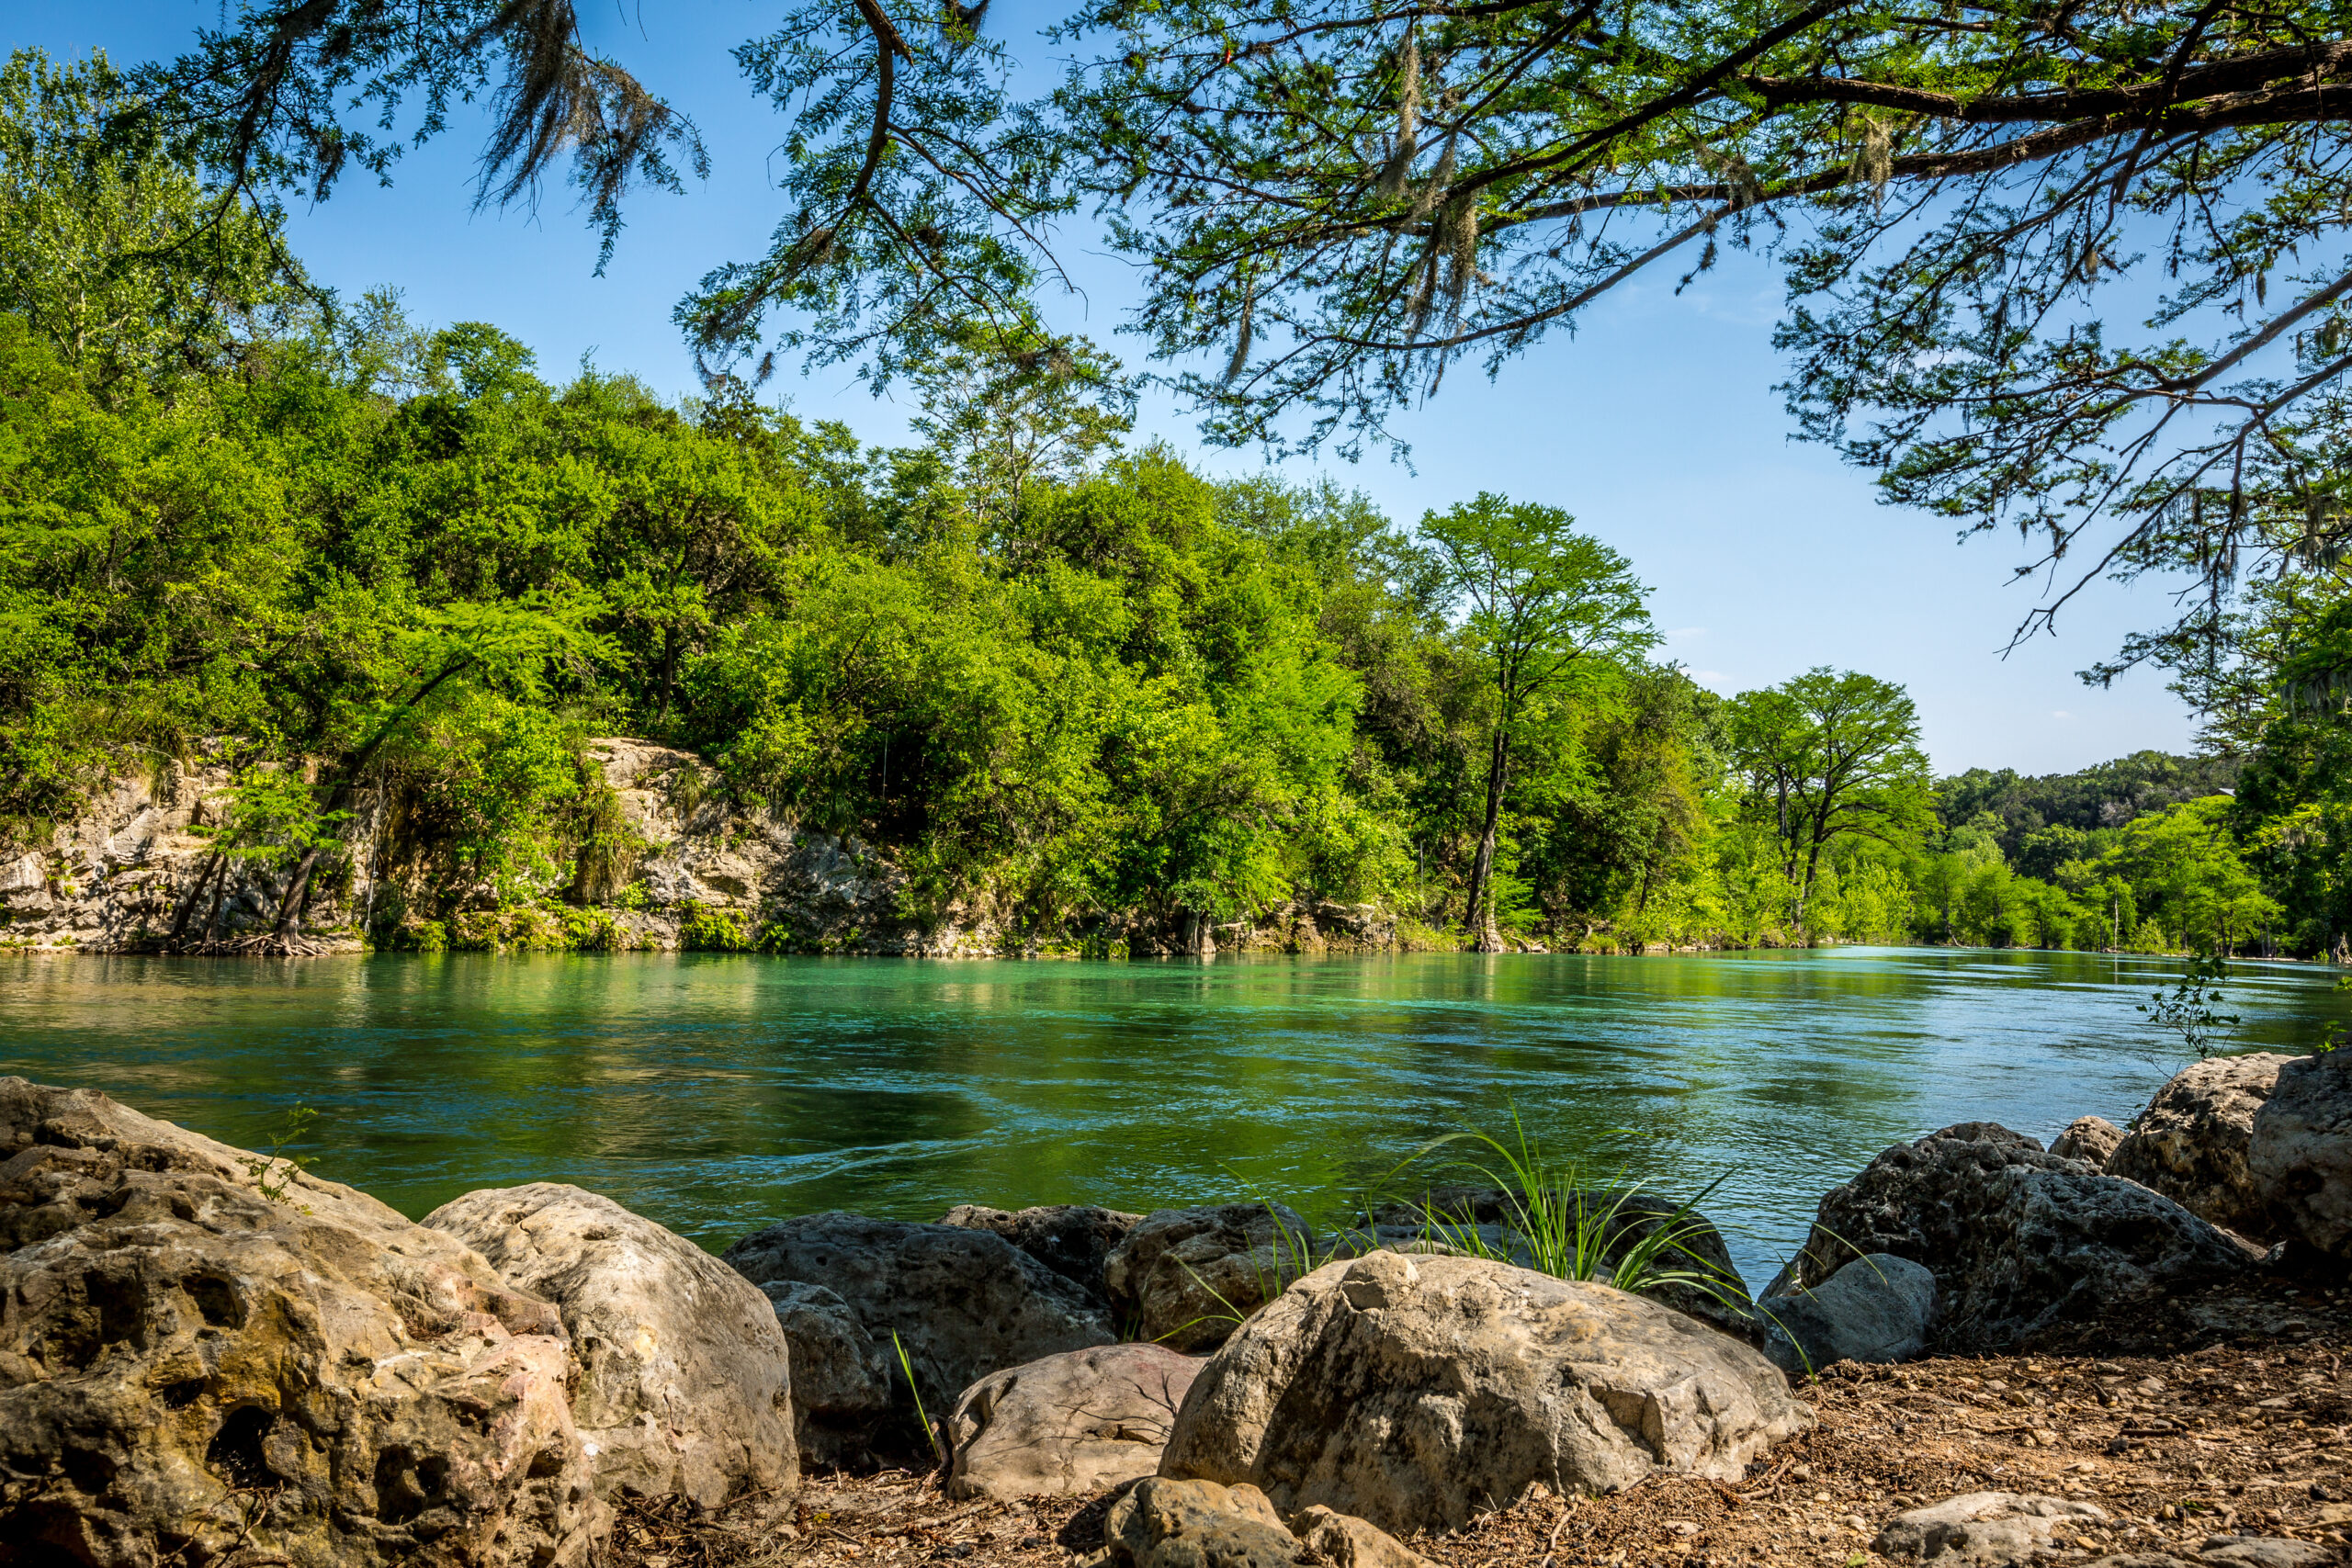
(1831, 755)
(1539, 601)
(110, 249)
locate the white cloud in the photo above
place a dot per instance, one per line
(2060, 713)
(1684, 634)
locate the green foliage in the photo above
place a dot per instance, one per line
(702, 928)
(111, 246)
(394, 575)
(273, 1172)
(2188, 1008)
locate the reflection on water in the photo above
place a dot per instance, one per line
(713, 1093)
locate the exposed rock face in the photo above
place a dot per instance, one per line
(842, 1387)
(1072, 1239)
(1409, 1391)
(1879, 1308)
(129, 873)
(2090, 1139)
(1983, 1529)
(2022, 1244)
(2191, 1142)
(2300, 1158)
(962, 1302)
(685, 1384)
(1184, 1278)
(1625, 1218)
(1068, 1424)
(122, 874)
(186, 1361)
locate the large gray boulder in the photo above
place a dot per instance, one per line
(2300, 1157)
(844, 1386)
(685, 1386)
(1876, 1308)
(2090, 1139)
(962, 1304)
(1070, 1424)
(1490, 1222)
(2191, 1142)
(1187, 1277)
(2024, 1246)
(207, 1356)
(1411, 1391)
(1072, 1239)
(1985, 1530)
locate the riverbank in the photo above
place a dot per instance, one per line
(216, 1352)
(2258, 1443)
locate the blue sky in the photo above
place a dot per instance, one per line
(1655, 423)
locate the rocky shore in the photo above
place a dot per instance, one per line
(1987, 1353)
(672, 862)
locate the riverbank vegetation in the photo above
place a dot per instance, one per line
(356, 555)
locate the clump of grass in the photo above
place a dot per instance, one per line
(907, 1367)
(1556, 1223)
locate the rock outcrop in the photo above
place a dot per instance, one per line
(962, 1304)
(2023, 1245)
(2192, 1141)
(2090, 1139)
(1072, 1239)
(685, 1385)
(2300, 1157)
(1068, 1424)
(1187, 1277)
(843, 1385)
(199, 1348)
(1409, 1391)
(1878, 1308)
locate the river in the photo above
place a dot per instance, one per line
(713, 1093)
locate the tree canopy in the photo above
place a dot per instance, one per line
(1332, 202)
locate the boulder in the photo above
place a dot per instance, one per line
(1187, 1278)
(2300, 1157)
(1487, 1221)
(2090, 1139)
(1195, 1524)
(1068, 1423)
(1350, 1543)
(2025, 1247)
(1072, 1239)
(1879, 1308)
(962, 1304)
(685, 1386)
(1987, 1530)
(2191, 1142)
(1411, 1391)
(844, 1386)
(201, 1349)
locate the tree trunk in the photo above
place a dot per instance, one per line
(195, 896)
(1486, 936)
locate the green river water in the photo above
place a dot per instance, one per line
(715, 1093)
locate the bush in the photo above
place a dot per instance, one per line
(704, 929)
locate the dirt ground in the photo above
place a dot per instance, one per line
(2250, 1435)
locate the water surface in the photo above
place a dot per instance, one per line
(713, 1093)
